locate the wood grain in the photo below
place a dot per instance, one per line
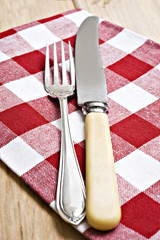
(18, 12)
(140, 16)
(24, 215)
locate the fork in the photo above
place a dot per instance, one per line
(70, 194)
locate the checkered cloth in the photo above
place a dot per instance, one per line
(30, 121)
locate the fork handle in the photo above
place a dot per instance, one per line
(70, 196)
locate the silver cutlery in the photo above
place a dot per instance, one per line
(102, 201)
(70, 195)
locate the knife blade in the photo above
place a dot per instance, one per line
(103, 210)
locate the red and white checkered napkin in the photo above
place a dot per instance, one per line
(30, 121)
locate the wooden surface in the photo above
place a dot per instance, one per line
(23, 215)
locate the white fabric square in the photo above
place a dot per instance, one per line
(53, 205)
(3, 57)
(83, 226)
(27, 88)
(132, 97)
(139, 169)
(76, 121)
(37, 36)
(127, 41)
(158, 66)
(78, 17)
(19, 156)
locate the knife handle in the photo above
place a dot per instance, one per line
(103, 210)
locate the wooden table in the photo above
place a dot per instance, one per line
(23, 215)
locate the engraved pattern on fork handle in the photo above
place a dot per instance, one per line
(70, 196)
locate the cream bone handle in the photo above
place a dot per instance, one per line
(103, 210)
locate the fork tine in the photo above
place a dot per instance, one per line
(47, 71)
(56, 75)
(72, 68)
(64, 74)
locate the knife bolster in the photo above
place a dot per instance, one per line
(101, 107)
(102, 201)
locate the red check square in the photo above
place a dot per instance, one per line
(22, 118)
(7, 33)
(50, 18)
(135, 130)
(141, 214)
(32, 62)
(120, 233)
(130, 67)
(54, 160)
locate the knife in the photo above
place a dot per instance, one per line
(103, 210)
